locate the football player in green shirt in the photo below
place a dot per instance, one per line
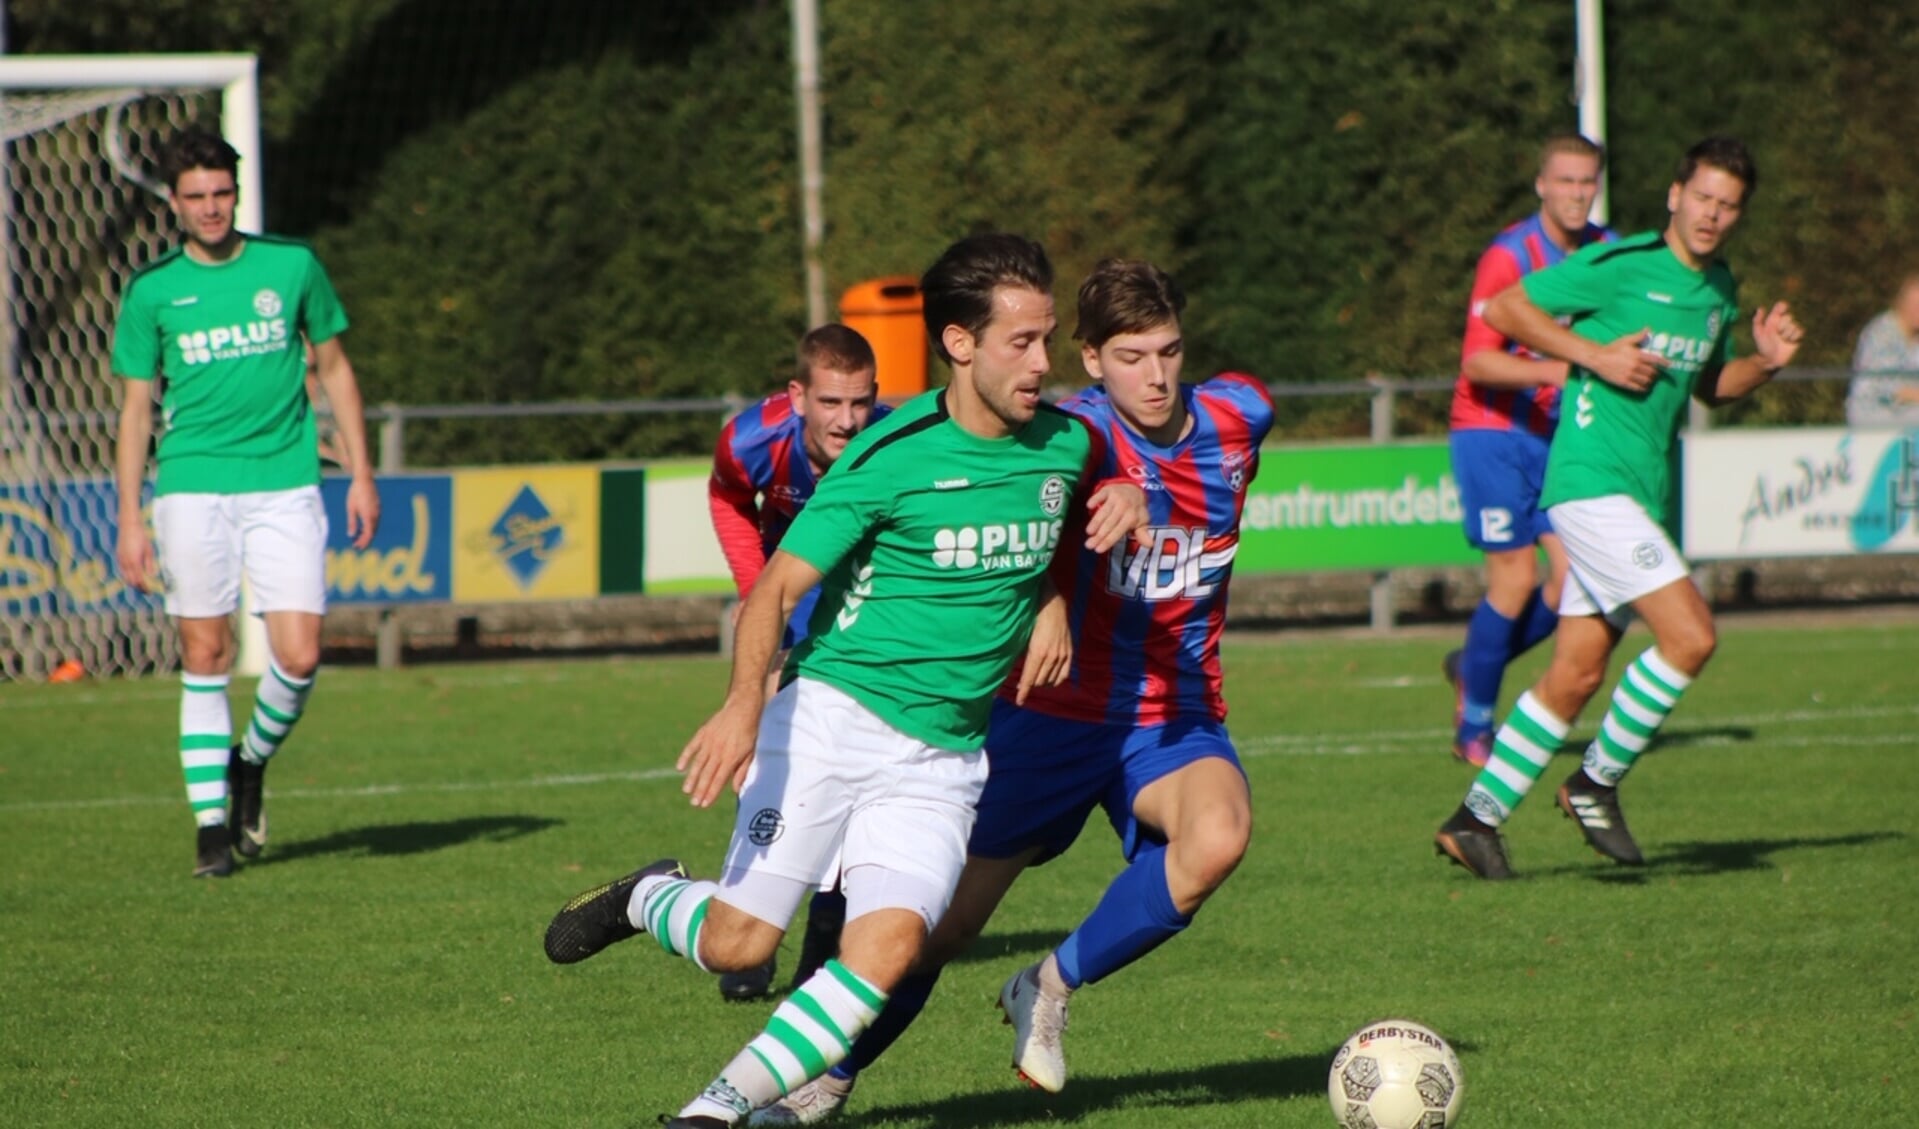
(216, 332)
(1648, 324)
(930, 536)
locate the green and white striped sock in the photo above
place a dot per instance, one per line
(672, 910)
(808, 1034)
(1521, 751)
(1645, 697)
(206, 735)
(277, 705)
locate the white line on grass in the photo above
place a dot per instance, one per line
(1419, 742)
(1268, 747)
(568, 781)
(168, 691)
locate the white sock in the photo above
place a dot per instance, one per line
(277, 705)
(809, 1033)
(672, 910)
(206, 736)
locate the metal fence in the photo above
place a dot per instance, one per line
(30, 639)
(1385, 396)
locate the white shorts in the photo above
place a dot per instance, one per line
(278, 537)
(836, 793)
(1616, 553)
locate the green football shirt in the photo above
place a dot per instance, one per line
(1611, 441)
(226, 339)
(932, 542)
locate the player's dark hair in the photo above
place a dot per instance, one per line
(196, 148)
(1727, 154)
(834, 348)
(958, 289)
(1576, 144)
(1126, 296)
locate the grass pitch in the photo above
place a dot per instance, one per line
(382, 966)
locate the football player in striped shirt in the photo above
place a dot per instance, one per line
(1138, 728)
(1505, 407)
(765, 466)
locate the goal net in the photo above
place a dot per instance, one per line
(81, 210)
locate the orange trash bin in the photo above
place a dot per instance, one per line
(887, 312)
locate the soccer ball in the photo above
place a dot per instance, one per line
(1395, 1074)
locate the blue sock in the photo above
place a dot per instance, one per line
(1535, 624)
(903, 1006)
(1489, 647)
(1135, 916)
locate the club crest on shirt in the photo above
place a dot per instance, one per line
(1234, 464)
(267, 304)
(1052, 495)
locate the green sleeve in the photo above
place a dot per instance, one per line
(323, 318)
(844, 509)
(136, 338)
(1573, 286)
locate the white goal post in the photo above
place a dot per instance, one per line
(82, 208)
(235, 76)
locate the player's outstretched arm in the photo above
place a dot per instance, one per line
(1776, 337)
(1620, 362)
(1049, 651)
(719, 753)
(349, 417)
(134, 550)
(1496, 368)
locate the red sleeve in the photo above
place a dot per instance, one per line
(1096, 452)
(735, 507)
(1497, 270)
(1074, 531)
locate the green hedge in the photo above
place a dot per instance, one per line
(585, 200)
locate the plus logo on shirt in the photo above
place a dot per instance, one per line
(229, 342)
(992, 547)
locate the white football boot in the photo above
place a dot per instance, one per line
(1039, 1020)
(809, 1105)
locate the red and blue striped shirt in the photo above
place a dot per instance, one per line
(1147, 619)
(1518, 251)
(761, 480)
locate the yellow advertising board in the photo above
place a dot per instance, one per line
(526, 533)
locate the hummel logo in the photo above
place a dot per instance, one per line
(855, 598)
(186, 301)
(1583, 415)
(951, 483)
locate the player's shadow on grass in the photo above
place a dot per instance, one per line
(1703, 735)
(992, 947)
(409, 838)
(1699, 859)
(1090, 1096)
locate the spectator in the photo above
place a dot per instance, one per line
(1885, 387)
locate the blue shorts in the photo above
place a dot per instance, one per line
(1047, 774)
(796, 629)
(1500, 475)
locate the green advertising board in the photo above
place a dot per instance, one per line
(1380, 506)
